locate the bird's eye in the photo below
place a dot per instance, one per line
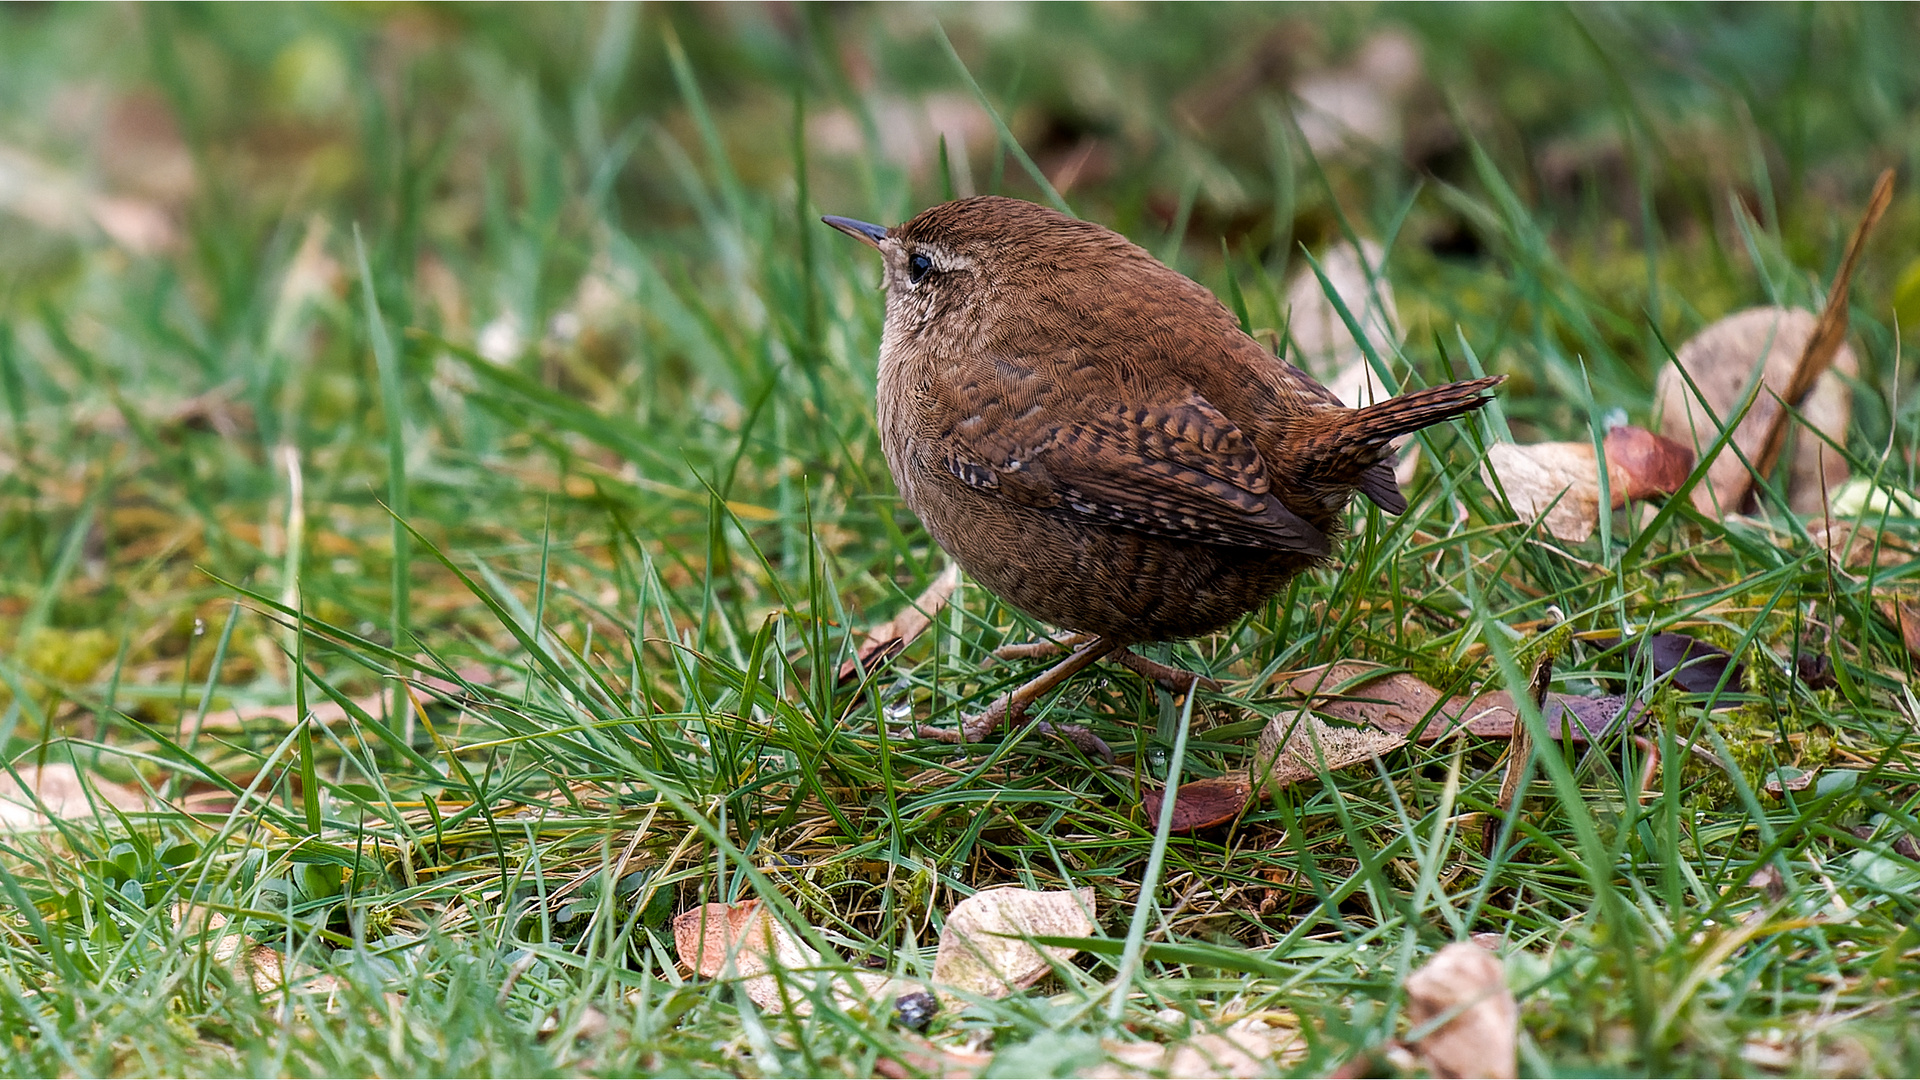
(918, 267)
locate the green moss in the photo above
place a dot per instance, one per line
(69, 656)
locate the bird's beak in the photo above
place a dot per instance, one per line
(859, 230)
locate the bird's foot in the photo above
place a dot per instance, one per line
(1013, 707)
(1174, 680)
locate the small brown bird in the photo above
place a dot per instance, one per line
(1094, 438)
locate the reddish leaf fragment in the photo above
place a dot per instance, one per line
(1642, 465)
(1200, 804)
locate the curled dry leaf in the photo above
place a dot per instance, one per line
(1903, 842)
(61, 794)
(1720, 360)
(1482, 1038)
(1561, 480)
(887, 639)
(1200, 804)
(982, 948)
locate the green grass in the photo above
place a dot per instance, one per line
(503, 346)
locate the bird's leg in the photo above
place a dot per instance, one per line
(1014, 706)
(1175, 680)
(1040, 650)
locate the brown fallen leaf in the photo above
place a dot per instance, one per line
(1324, 345)
(61, 794)
(1200, 804)
(268, 970)
(982, 948)
(428, 689)
(923, 1058)
(1399, 702)
(1720, 361)
(1468, 983)
(1903, 842)
(890, 637)
(1778, 784)
(1329, 351)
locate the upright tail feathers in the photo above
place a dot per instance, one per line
(1362, 444)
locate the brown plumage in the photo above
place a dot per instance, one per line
(1094, 438)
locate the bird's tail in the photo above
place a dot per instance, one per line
(1368, 430)
(1359, 445)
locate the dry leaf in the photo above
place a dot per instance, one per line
(1482, 1038)
(428, 689)
(1398, 703)
(887, 639)
(267, 968)
(1355, 109)
(1298, 745)
(925, 1059)
(1903, 842)
(909, 132)
(1201, 804)
(981, 948)
(262, 965)
(60, 201)
(1642, 465)
(1561, 480)
(63, 794)
(1557, 480)
(1236, 1052)
(1720, 361)
(745, 941)
(1696, 666)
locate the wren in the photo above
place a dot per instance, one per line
(1092, 436)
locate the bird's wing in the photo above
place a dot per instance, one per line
(1177, 470)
